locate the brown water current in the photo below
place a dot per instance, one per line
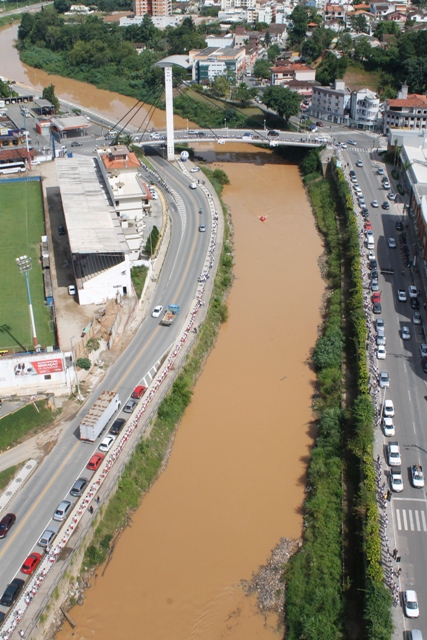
(234, 483)
(107, 103)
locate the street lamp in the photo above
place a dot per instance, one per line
(225, 123)
(24, 266)
(79, 395)
(264, 124)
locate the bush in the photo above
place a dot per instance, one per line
(139, 275)
(152, 240)
(84, 363)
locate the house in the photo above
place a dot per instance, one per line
(212, 62)
(334, 11)
(395, 16)
(405, 111)
(380, 8)
(139, 47)
(282, 74)
(331, 103)
(364, 109)
(303, 87)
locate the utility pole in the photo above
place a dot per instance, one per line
(25, 265)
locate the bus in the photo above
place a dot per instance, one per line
(12, 167)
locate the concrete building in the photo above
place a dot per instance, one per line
(152, 7)
(220, 42)
(364, 109)
(100, 253)
(283, 72)
(331, 104)
(160, 22)
(405, 111)
(69, 127)
(248, 7)
(212, 62)
(265, 14)
(413, 155)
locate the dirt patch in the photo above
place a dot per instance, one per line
(357, 78)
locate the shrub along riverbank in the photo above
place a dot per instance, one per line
(149, 454)
(320, 579)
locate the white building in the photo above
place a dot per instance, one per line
(161, 22)
(265, 14)
(364, 109)
(219, 42)
(406, 111)
(331, 103)
(99, 250)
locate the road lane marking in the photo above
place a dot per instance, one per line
(37, 502)
(423, 520)
(411, 520)
(405, 522)
(417, 521)
(413, 424)
(399, 524)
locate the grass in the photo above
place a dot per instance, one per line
(5, 21)
(6, 476)
(22, 225)
(139, 275)
(15, 426)
(357, 78)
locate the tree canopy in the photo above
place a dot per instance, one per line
(282, 100)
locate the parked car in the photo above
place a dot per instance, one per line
(388, 427)
(417, 476)
(413, 292)
(405, 333)
(384, 379)
(414, 303)
(388, 408)
(62, 510)
(12, 592)
(319, 124)
(31, 563)
(410, 604)
(376, 308)
(72, 290)
(107, 443)
(61, 230)
(423, 350)
(117, 426)
(401, 295)
(138, 392)
(380, 171)
(399, 225)
(374, 285)
(381, 352)
(376, 297)
(129, 406)
(396, 480)
(391, 196)
(47, 536)
(95, 461)
(416, 318)
(78, 487)
(393, 454)
(6, 524)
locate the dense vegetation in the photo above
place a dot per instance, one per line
(28, 420)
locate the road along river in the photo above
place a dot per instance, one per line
(235, 480)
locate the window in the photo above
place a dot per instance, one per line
(48, 377)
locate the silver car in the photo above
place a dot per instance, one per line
(384, 379)
(416, 318)
(62, 510)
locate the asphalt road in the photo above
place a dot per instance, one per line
(408, 390)
(36, 503)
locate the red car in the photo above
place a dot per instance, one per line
(95, 461)
(376, 297)
(138, 392)
(368, 226)
(319, 124)
(31, 563)
(6, 524)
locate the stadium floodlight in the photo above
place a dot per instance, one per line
(25, 265)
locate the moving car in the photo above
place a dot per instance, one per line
(12, 592)
(62, 510)
(391, 243)
(319, 124)
(388, 427)
(375, 204)
(193, 185)
(410, 604)
(61, 230)
(48, 536)
(393, 454)
(107, 443)
(194, 169)
(405, 333)
(385, 205)
(396, 480)
(95, 461)
(76, 144)
(413, 293)
(78, 487)
(417, 476)
(72, 290)
(384, 379)
(424, 364)
(157, 311)
(202, 227)
(117, 426)
(388, 408)
(276, 133)
(31, 563)
(129, 406)
(416, 318)
(399, 225)
(138, 392)
(352, 142)
(359, 163)
(381, 352)
(401, 295)
(6, 524)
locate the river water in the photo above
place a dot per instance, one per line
(235, 480)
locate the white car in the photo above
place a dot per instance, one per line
(352, 142)
(381, 352)
(423, 350)
(194, 170)
(384, 379)
(391, 196)
(107, 443)
(396, 481)
(380, 171)
(413, 292)
(379, 324)
(417, 476)
(393, 453)
(343, 145)
(401, 295)
(359, 163)
(388, 409)
(405, 333)
(374, 285)
(388, 427)
(410, 604)
(71, 290)
(380, 339)
(157, 311)
(416, 318)
(371, 256)
(375, 204)
(369, 233)
(193, 185)
(391, 243)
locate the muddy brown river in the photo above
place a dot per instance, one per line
(234, 484)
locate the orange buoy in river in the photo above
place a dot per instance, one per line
(263, 218)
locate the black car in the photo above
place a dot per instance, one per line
(374, 274)
(373, 265)
(376, 308)
(424, 364)
(273, 133)
(414, 303)
(6, 523)
(399, 226)
(385, 205)
(12, 592)
(76, 144)
(352, 172)
(61, 230)
(78, 487)
(117, 426)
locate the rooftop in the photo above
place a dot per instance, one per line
(413, 100)
(92, 224)
(70, 122)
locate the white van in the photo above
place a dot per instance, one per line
(370, 242)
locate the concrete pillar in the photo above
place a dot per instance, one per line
(169, 115)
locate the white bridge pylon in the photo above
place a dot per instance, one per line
(170, 139)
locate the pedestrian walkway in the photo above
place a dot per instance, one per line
(411, 520)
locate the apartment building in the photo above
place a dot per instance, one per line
(152, 7)
(405, 111)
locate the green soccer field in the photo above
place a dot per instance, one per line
(21, 228)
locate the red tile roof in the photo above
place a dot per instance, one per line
(413, 100)
(131, 162)
(7, 155)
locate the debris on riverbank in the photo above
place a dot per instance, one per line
(266, 583)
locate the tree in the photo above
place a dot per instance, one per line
(386, 28)
(345, 42)
(220, 176)
(61, 6)
(243, 94)
(267, 39)
(273, 52)
(321, 39)
(152, 240)
(299, 18)
(220, 86)
(262, 69)
(4, 89)
(331, 68)
(49, 94)
(360, 23)
(282, 100)
(362, 49)
(26, 26)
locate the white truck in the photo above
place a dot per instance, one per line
(99, 415)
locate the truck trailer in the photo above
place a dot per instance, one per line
(99, 415)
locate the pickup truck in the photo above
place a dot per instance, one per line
(417, 476)
(170, 315)
(393, 454)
